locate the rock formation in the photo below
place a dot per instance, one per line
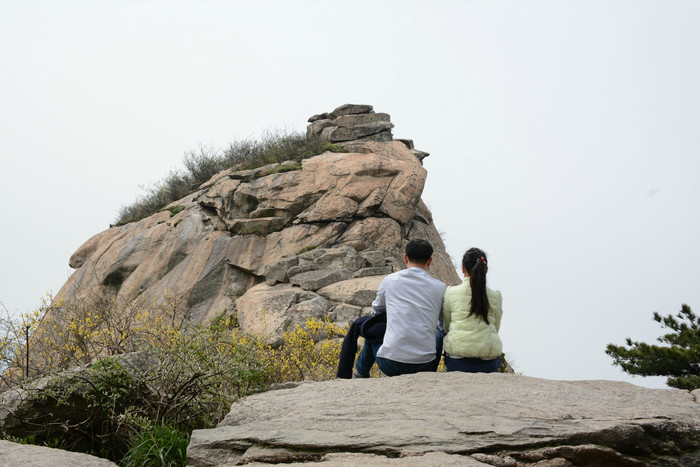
(457, 419)
(280, 243)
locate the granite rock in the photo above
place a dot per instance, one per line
(27, 455)
(457, 419)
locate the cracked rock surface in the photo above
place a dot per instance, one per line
(456, 419)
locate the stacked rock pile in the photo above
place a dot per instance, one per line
(352, 124)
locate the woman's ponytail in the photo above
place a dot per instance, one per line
(474, 262)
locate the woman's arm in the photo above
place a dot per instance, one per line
(499, 311)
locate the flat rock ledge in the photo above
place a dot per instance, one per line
(456, 419)
(24, 455)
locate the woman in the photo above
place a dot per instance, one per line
(472, 314)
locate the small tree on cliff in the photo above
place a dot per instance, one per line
(679, 359)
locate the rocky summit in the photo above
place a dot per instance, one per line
(456, 419)
(278, 244)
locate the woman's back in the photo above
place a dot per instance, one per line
(472, 318)
(469, 335)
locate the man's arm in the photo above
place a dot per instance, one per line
(379, 303)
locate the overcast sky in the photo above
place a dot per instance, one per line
(563, 137)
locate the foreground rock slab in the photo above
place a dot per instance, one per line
(467, 419)
(23, 455)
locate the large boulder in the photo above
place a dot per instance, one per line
(62, 406)
(77, 408)
(336, 218)
(24, 455)
(270, 310)
(457, 419)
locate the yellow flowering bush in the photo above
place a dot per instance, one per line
(185, 378)
(66, 333)
(194, 375)
(308, 352)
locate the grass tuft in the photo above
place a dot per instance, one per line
(158, 445)
(205, 162)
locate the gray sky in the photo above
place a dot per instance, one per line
(563, 136)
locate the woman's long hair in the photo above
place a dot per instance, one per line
(474, 262)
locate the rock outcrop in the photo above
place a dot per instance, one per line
(279, 243)
(351, 124)
(456, 419)
(24, 455)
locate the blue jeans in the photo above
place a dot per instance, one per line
(472, 365)
(368, 355)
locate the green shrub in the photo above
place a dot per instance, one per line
(259, 231)
(286, 168)
(203, 164)
(174, 210)
(173, 187)
(332, 147)
(307, 248)
(83, 409)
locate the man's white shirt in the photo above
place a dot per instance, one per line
(413, 303)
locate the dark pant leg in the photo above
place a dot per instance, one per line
(367, 357)
(438, 350)
(472, 365)
(394, 368)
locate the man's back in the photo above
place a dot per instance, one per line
(413, 303)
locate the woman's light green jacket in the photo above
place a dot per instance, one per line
(470, 336)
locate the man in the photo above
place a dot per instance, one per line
(412, 301)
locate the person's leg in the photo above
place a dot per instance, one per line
(492, 366)
(367, 357)
(438, 343)
(472, 365)
(451, 364)
(394, 368)
(438, 351)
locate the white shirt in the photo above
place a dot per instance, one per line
(413, 302)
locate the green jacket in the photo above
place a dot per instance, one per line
(471, 336)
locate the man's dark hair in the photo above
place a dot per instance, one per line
(419, 251)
